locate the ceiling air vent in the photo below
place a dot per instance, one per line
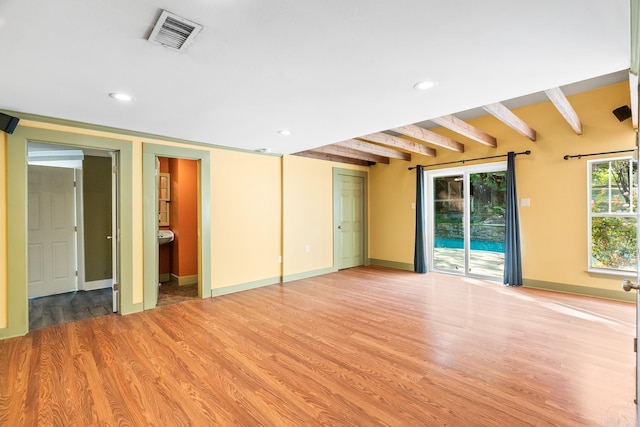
(174, 32)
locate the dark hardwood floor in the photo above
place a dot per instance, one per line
(366, 346)
(172, 293)
(57, 309)
(68, 307)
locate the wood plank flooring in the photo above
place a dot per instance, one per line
(367, 346)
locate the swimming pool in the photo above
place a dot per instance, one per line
(476, 245)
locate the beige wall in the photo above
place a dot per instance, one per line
(554, 228)
(245, 218)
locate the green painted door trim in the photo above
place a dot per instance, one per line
(17, 209)
(336, 212)
(150, 221)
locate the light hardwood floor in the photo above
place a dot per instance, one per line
(362, 347)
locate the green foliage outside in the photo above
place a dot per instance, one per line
(614, 243)
(614, 238)
(488, 191)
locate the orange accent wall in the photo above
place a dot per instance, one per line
(184, 216)
(164, 251)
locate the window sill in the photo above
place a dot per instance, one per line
(611, 273)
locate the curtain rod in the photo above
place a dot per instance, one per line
(469, 160)
(577, 156)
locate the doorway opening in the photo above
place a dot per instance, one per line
(177, 201)
(467, 227)
(72, 220)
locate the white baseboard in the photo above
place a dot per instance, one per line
(97, 284)
(184, 280)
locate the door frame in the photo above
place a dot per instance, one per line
(150, 152)
(17, 321)
(465, 171)
(337, 251)
(83, 284)
(115, 230)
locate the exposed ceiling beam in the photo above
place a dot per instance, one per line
(633, 87)
(350, 152)
(465, 129)
(332, 158)
(507, 117)
(399, 143)
(561, 102)
(429, 137)
(368, 147)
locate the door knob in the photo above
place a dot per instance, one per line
(627, 285)
(109, 237)
(339, 227)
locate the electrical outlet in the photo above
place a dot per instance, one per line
(413, 205)
(307, 249)
(279, 259)
(525, 202)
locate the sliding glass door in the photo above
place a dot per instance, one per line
(467, 226)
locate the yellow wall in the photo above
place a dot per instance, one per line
(554, 228)
(308, 214)
(245, 217)
(392, 190)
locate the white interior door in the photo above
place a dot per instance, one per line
(52, 239)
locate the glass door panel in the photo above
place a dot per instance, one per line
(448, 208)
(487, 201)
(467, 213)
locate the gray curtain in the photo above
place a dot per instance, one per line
(420, 253)
(512, 256)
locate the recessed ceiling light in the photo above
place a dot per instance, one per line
(121, 96)
(284, 132)
(424, 85)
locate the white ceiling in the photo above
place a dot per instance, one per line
(328, 70)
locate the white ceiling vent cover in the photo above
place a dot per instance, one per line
(174, 32)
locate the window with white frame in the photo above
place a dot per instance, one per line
(613, 201)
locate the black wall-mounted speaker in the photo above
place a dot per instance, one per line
(622, 113)
(8, 123)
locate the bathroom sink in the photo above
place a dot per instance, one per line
(165, 236)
